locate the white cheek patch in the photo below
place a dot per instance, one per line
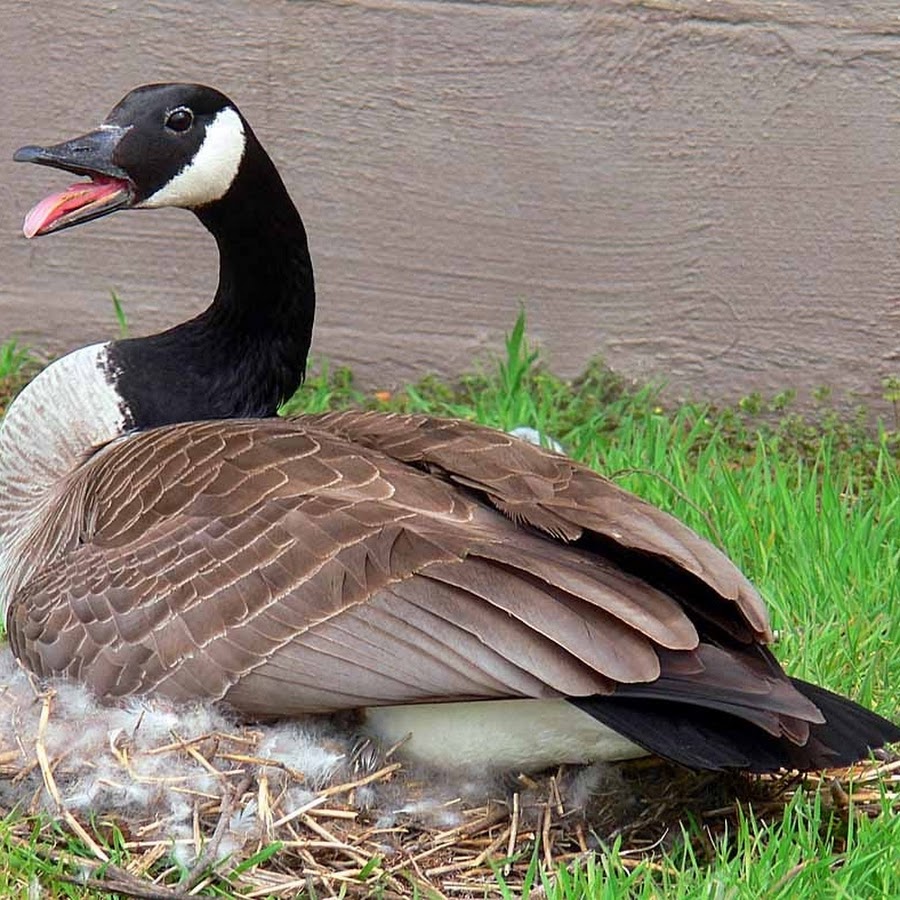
(207, 177)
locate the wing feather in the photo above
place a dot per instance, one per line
(347, 559)
(555, 494)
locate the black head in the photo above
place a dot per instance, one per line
(162, 145)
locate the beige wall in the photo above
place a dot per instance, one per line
(702, 190)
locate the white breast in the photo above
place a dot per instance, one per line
(525, 735)
(59, 419)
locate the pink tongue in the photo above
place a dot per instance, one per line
(54, 207)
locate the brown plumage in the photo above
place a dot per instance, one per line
(353, 560)
(280, 547)
(356, 559)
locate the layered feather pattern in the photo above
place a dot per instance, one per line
(350, 560)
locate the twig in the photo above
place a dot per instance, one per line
(131, 887)
(40, 749)
(322, 796)
(545, 838)
(207, 859)
(513, 834)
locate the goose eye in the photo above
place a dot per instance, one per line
(180, 119)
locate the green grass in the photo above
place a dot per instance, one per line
(805, 853)
(808, 504)
(17, 365)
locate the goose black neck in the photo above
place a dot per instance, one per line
(247, 352)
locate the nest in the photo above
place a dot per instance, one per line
(223, 806)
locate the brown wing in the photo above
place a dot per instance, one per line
(564, 499)
(349, 559)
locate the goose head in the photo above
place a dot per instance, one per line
(188, 146)
(162, 145)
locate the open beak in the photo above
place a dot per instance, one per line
(109, 187)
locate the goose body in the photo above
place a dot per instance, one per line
(161, 531)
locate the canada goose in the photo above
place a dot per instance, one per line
(163, 532)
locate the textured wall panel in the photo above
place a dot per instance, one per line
(706, 191)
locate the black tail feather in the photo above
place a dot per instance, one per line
(703, 738)
(850, 731)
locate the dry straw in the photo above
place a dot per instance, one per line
(258, 823)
